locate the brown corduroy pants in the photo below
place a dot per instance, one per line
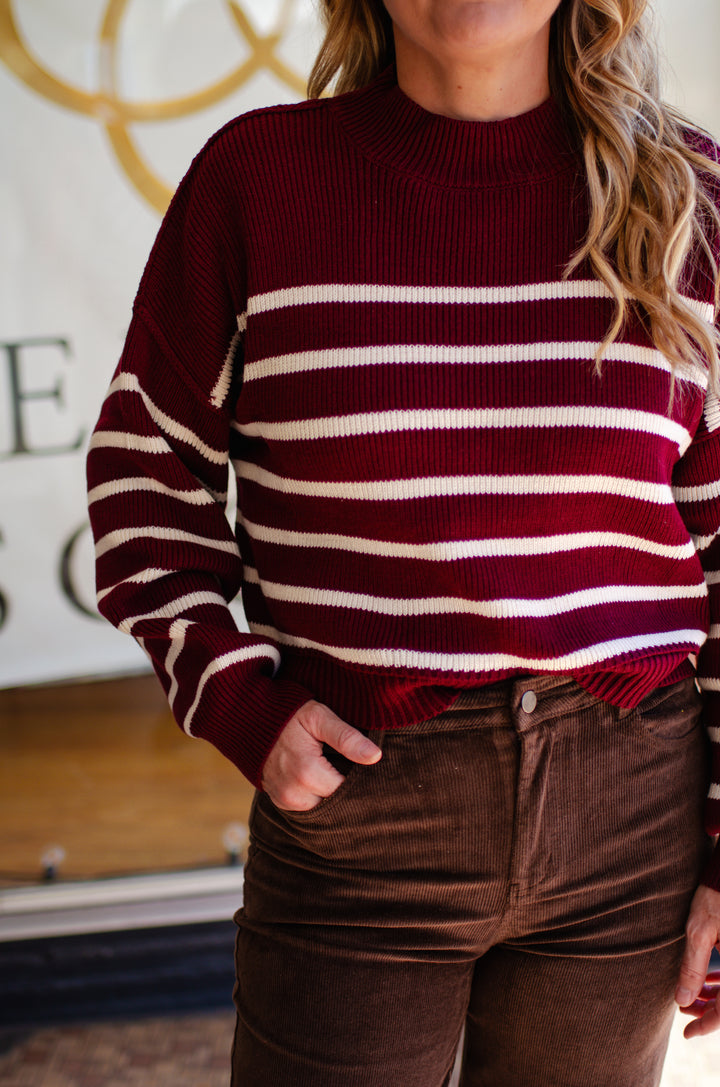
(520, 866)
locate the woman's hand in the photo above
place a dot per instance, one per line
(694, 996)
(296, 775)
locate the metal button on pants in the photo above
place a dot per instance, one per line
(528, 701)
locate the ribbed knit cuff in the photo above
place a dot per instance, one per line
(245, 729)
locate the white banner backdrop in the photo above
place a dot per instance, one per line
(105, 102)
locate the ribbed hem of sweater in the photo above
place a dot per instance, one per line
(375, 700)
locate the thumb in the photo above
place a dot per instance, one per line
(702, 933)
(693, 971)
(327, 728)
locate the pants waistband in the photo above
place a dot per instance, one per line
(521, 703)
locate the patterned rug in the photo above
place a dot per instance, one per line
(186, 1051)
(194, 1051)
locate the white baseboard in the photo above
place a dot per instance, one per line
(130, 902)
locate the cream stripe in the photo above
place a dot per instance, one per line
(472, 354)
(119, 537)
(708, 684)
(714, 792)
(714, 734)
(714, 631)
(410, 659)
(393, 490)
(220, 664)
(222, 386)
(704, 310)
(459, 550)
(384, 422)
(176, 633)
(143, 578)
(173, 608)
(121, 439)
(706, 492)
(125, 382)
(702, 543)
(510, 608)
(712, 411)
(712, 577)
(199, 497)
(313, 294)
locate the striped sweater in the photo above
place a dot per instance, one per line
(362, 306)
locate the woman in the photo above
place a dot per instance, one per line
(454, 329)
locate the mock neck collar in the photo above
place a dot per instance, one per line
(392, 129)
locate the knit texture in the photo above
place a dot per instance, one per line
(362, 304)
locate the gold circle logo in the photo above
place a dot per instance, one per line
(116, 114)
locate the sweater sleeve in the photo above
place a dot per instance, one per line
(696, 487)
(167, 562)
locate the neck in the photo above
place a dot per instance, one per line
(474, 88)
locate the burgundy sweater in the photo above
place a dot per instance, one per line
(362, 305)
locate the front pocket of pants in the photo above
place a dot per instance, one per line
(329, 833)
(669, 715)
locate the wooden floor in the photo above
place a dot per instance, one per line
(102, 770)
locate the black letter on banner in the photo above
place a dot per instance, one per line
(3, 602)
(66, 574)
(19, 395)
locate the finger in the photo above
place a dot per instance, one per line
(702, 933)
(696, 1009)
(312, 782)
(296, 776)
(692, 975)
(354, 745)
(320, 777)
(326, 727)
(706, 1024)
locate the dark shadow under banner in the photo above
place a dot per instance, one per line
(117, 974)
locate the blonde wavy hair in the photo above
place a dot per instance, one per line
(653, 189)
